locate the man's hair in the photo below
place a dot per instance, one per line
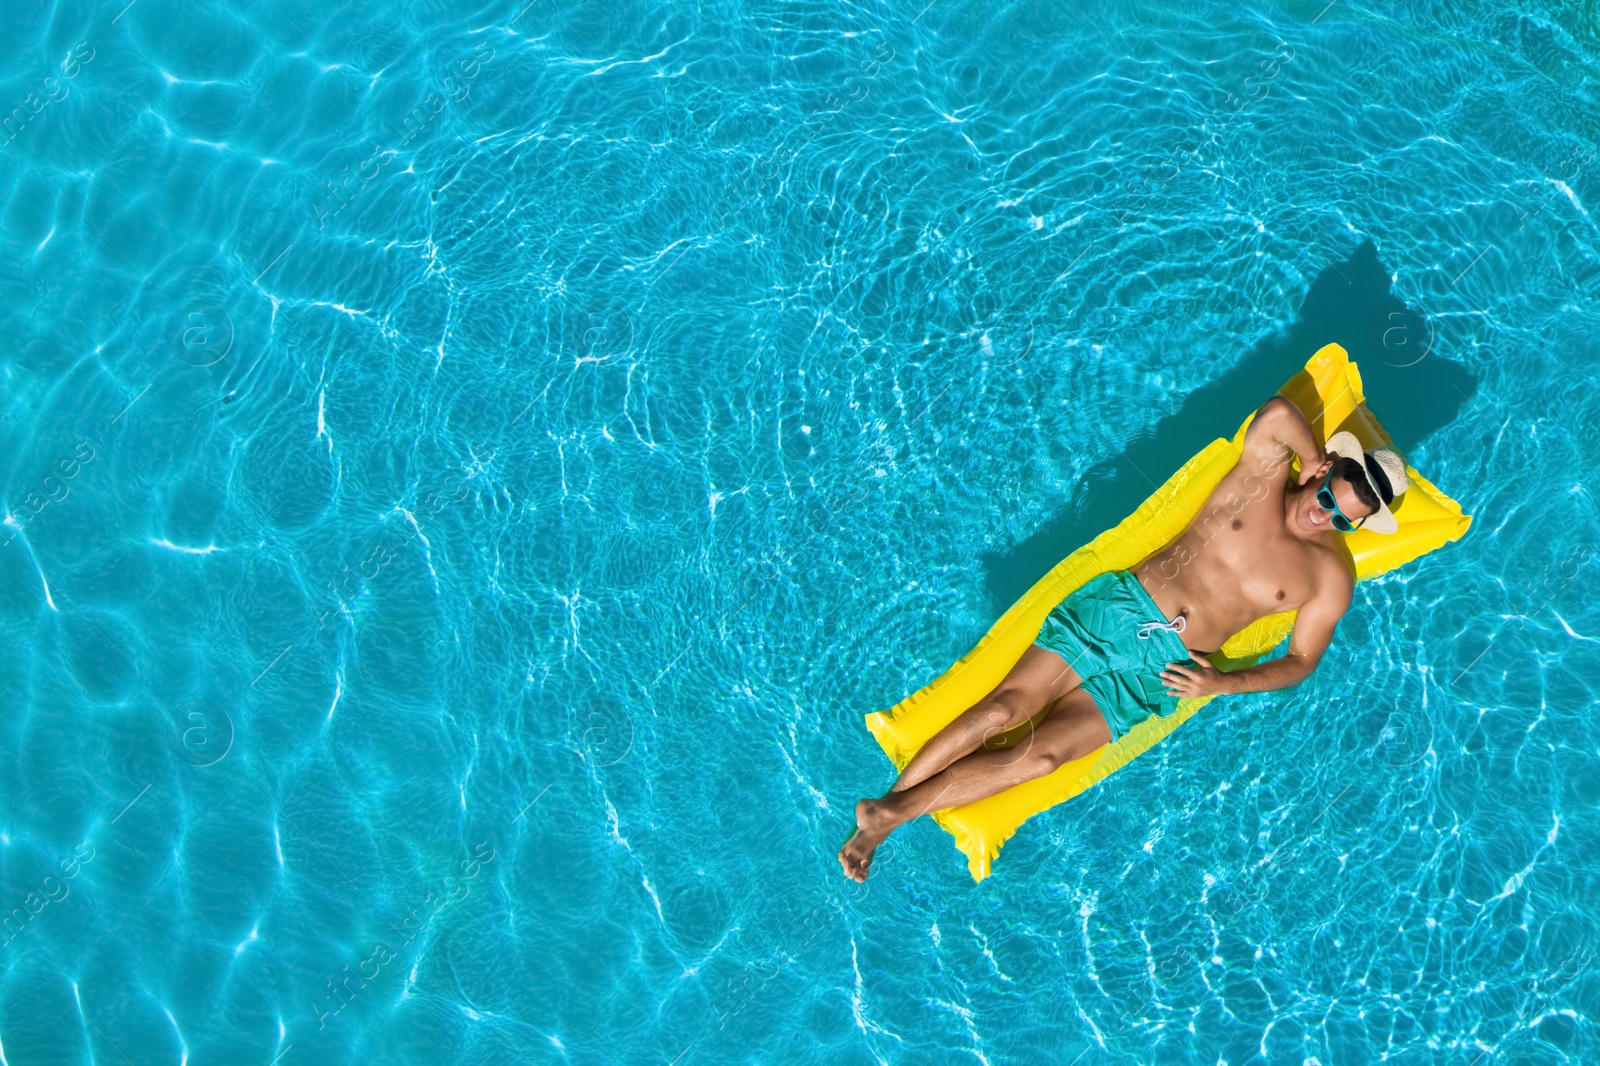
(1356, 475)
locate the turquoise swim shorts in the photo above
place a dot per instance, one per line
(1112, 633)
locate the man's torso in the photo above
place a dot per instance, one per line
(1236, 562)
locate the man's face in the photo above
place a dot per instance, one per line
(1311, 517)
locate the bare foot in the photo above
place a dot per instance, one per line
(873, 825)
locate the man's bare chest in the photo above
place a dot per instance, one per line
(1237, 551)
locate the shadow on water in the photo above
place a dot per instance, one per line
(1411, 389)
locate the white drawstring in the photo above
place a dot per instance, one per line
(1174, 626)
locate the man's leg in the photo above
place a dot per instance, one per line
(1038, 679)
(1073, 728)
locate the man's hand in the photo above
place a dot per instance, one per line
(1311, 469)
(1202, 679)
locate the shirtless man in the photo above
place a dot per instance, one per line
(1110, 655)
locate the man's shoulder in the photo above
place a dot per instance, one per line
(1335, 577)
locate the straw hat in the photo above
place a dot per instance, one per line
(1385, 470)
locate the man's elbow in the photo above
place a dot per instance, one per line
(1272, 422)
(1304, 667)
(1279, 404)
(1275, 411)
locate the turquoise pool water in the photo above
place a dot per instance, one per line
(470, 468)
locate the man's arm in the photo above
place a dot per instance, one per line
(1278, 429)
(1313, 631)
(1314, 628)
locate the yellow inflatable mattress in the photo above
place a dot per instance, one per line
(1329, 393)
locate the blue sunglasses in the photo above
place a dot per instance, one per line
(1325, 500)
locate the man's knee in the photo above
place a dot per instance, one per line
(999, 714)
(1042, 760)
(1004, 709)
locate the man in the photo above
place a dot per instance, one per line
(1118, 650)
